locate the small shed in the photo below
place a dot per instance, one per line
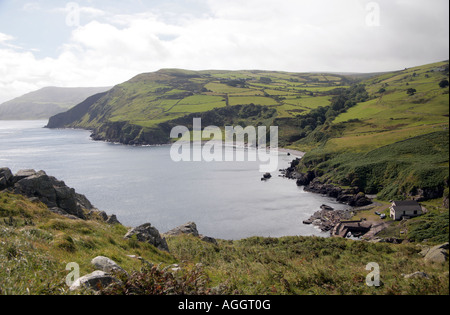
(405, 209)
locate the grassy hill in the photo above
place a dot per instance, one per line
(394, 144)
(142, 108)
(45, 102)
(36, 245)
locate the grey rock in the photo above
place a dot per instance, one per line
(416, 275)
(3, 183)
(5, 178)
(189, 228)
(103, 215)
(148, 234)
(23, 174)
(50, 191)
(96, 281)
(437, 254)
(208, 239)
(106, 264)
(113, 220)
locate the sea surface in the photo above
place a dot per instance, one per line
(226, 200)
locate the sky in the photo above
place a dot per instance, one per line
(89, 43)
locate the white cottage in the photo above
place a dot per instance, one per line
(405, 209)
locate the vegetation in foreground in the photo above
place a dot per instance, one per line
(36, 245)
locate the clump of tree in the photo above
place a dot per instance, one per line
(240, 83)
(443, 84)
(411, 91)
(349, 98)
(340, 103)
(265, 80)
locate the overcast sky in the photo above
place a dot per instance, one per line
(106, 42)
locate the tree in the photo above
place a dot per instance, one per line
(411, 91)
(443, 84)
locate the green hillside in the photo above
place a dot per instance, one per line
(143, 103)
(395, 144)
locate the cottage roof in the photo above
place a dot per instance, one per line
(406, 203)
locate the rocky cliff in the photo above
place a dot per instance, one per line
(58, 197)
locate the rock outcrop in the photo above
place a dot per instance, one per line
(327, 218)
(350, 196)
(148, 234)
(54, 193)
(436, 254)
(190, 228)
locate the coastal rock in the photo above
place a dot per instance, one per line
(95, 281)
(5, 178)
(23, 174)
(327, 218)
(148, 234)
(51, 192)
(112, 219)
(59, 198)
(304, 179)
(350, 196)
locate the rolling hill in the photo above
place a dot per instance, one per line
(395, 144)
(45, 102)
(384, 133)
(140, 110)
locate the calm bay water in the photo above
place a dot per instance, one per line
(142, 184)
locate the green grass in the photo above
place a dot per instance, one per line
(36, 245)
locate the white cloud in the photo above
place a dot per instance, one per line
(290, 35)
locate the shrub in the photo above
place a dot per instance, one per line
(152, 280)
